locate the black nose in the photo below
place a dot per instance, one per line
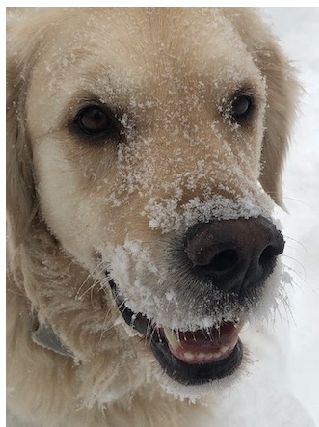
(234, 254)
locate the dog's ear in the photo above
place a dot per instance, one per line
(282, 93)
(282, 90)
(22, 36)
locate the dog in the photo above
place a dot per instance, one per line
(144, 157)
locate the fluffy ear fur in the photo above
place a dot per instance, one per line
(21, 200)
(24, 34)
(282, 95)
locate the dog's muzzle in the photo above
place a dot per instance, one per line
(190, 358)
(234, 257)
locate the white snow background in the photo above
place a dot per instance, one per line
(282, 388)
(298, 29)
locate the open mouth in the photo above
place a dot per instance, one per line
(190, 358)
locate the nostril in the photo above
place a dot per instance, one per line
(233, 254)
(224, 261)
(268, 256)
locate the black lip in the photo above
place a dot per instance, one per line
(137, 321)
(194, 374)
(182, 372)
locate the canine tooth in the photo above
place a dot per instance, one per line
(171, 337)
(189, 356)
(217, 355)
(225, 348)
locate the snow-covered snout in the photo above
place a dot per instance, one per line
(156, 160)
(193, 311)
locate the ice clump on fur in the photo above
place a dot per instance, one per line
(165, 214)
(150, 279)
(147, 285)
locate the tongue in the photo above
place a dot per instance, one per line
(203, 346)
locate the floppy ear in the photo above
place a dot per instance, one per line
(22, 45)
(20, 184)
(282, 93)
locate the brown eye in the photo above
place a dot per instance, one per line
(242, 106)
(97, 121)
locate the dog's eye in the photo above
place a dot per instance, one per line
(97, 121)
(241, 107)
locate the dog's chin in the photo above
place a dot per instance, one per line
(191, 358)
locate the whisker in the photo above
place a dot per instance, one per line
(158, 334)
(296, 241)
(103, 324)
(95, 283)
(150, 331)
(296, 261)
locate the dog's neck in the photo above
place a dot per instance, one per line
(45, 338)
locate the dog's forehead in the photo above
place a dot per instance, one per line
(154, 44)
(128, 55)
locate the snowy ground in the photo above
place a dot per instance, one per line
(298, 29)
(282, 389)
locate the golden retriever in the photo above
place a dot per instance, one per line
(145, 150)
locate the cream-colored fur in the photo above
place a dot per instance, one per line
(68, 200)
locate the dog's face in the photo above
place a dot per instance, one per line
(147, 131)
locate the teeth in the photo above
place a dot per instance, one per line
(225, 348)
(217, 355)
(171, 337)
(189, 356)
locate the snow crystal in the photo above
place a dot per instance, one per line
(165, 215)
